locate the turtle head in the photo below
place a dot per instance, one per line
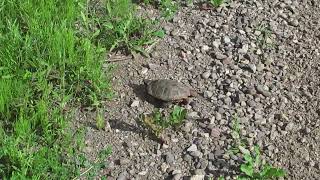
(193, 93)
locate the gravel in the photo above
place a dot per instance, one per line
(256, 60)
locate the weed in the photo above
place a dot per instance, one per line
(154, 122)
(177, 116)
(92, 168)
(252, 167)
(264, 38)
(157, 122)
(100, 120)
(216, 3)
(236, 136)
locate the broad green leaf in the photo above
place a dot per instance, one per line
(271, 172)
(247, 169)
(159, 33)
(257, 160)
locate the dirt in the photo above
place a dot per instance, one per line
(270, 82)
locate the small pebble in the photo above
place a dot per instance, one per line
(262, 91)
(206, 75)
(144, 71)
(152, 66)
(199, 172)
(226, 39)
(294, 22)
(169, 158)
(218, 116)
(122, 176)
(177, 177)
(197, 177)
(207, 94)
(192, 148)
(135, 103)
(192, 115)
(216, 43)
(205, 48)
(215, 132)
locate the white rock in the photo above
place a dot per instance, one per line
(197, 177)
(216, 43)
(206, 75)
(193, 115)
(207, 94)
(144, 70)
(212, 120)
(226, 40)
(192, 148)
(244, 49)
(259, 52)
(205, 48)
(135, 103)
(143, 173)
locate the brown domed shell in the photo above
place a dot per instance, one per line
(168, 90)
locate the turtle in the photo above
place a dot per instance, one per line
(169, 91)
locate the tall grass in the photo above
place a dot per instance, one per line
(44, 69)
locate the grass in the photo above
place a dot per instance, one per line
(157, 122)
(52, 55)
(100, 119)
(122, 29)
(168, 8)
(47, 68)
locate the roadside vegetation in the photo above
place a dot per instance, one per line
(52, 61)
(157, 121)
(252, 167)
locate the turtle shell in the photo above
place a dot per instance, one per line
(168, 90)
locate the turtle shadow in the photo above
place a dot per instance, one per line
(140, 91)
(123, 126)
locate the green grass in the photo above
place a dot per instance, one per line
(122, 29)
(100, 120)
(45, 71)
(52, 55)
(168, 8)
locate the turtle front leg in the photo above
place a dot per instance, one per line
(166, 104)
(185, 101)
